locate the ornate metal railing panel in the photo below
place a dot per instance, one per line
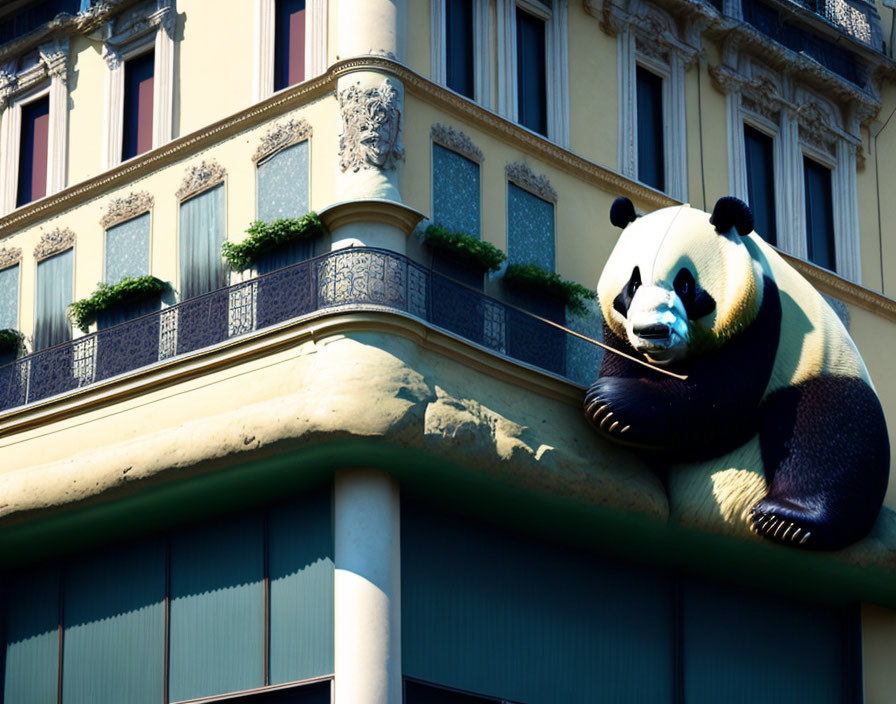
(349, 278)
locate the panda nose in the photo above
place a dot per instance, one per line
(654, 331)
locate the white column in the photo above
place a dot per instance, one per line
(263, 77)
(163, 100)
(9, 156)
(737, 158)
(627, 157)
(367, 521)
(114, 112)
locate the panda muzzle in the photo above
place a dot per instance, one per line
(653, 331)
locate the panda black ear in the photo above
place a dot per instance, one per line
(732, 212)
(622, 212)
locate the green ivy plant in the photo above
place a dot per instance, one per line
(531, 277)
(83, 312)
(468, 249)
(10, 340)
(264, 237)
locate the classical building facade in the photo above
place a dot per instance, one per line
(351, 468)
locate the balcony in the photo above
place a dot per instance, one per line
(353, 279)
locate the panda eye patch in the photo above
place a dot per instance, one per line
(696, 301)
(634, 283)
(622, 302)
(684, 286)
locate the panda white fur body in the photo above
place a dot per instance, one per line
(752, 310)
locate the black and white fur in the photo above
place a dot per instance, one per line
(772, 377)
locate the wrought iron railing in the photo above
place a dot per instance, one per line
(357, 277)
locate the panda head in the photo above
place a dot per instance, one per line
(680, 283)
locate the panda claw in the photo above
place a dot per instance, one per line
(789, 528)
(795, 534)
(613, 427)
(605, 419)
(805, 537)
(624, 429)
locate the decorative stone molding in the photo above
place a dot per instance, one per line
(54, 242)
(201, 177)
(280, 136)
(10, 256)
(523, 176)
(127, 207)
(51, 64)
(457, 141)
(815, 128)
(371, 128)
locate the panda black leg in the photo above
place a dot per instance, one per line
(826, 455)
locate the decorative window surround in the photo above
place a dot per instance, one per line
(555, 14)
(281, 136)
(126, 207)
(45, 77)
(54, 242)
(148, 25)
(482, 69)
(315, 44)
(537, 184)
(802, 123)
(10, 256)
(456, 141)
(200, 177)
(647, 36)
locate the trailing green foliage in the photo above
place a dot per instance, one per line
(83, 312)
(10, 340)
(531, 277)
(468, 249)
(265, 237)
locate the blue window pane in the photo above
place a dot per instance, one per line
(283, 184)
(819, 214)
(530, 229)
(217, 609)
(54, 295)
(459, 45)
(32, 639)
(455, 191)
(127, 249)
(651, 157)
(202, 232)
(9, 297)
(759, 150)
(531, 72)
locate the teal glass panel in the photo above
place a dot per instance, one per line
(731, 651)
(455, 191)
(9, 298)
(530, 229)
(32, 638)
(502, 615)
(55, 286)
(202, 232)
(114, 647)
(127, 249)
(217, 609)
(301, 602)
(283, 184)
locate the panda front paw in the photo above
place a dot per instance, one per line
(603, 414)
(783, 522)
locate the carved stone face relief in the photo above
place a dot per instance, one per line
(371, 128)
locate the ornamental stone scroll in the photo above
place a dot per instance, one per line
(200, 177)
(280, 136)
(10, 256)
(457, 141)
(538, 184)
(127, 207)
(54, 242)
(371, 127)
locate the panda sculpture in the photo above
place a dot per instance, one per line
(766, 362)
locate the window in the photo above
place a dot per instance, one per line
(460, 47)
(139, 94)
(459, 54)
(33, 151)
(127, 255)
(9, 297)
(759, 150)
(138, 102)
(291, 43)
(533, 67)
(455, 191)
(651, 150)
(54, 294)
(652, 56)
(530, 228)
(283, 180)
(202, 231)
(34, 128)
(819, 214)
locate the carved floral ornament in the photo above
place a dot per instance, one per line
(371, 127)
(457, 141)
(280, 136)
(10, 256)
(51, 63)
(127, 207)
(201, 177)
(54, 242)
(523, 176)
(133, 25)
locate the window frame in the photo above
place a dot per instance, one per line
(218, 179)
(664, 73)
(556, 19)
(74, 332)
(9, 265)
(46, 78)
(460, 144)
(771, 130)
(138, 35)
(265, 44)
(110, 226)
(482, 70)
